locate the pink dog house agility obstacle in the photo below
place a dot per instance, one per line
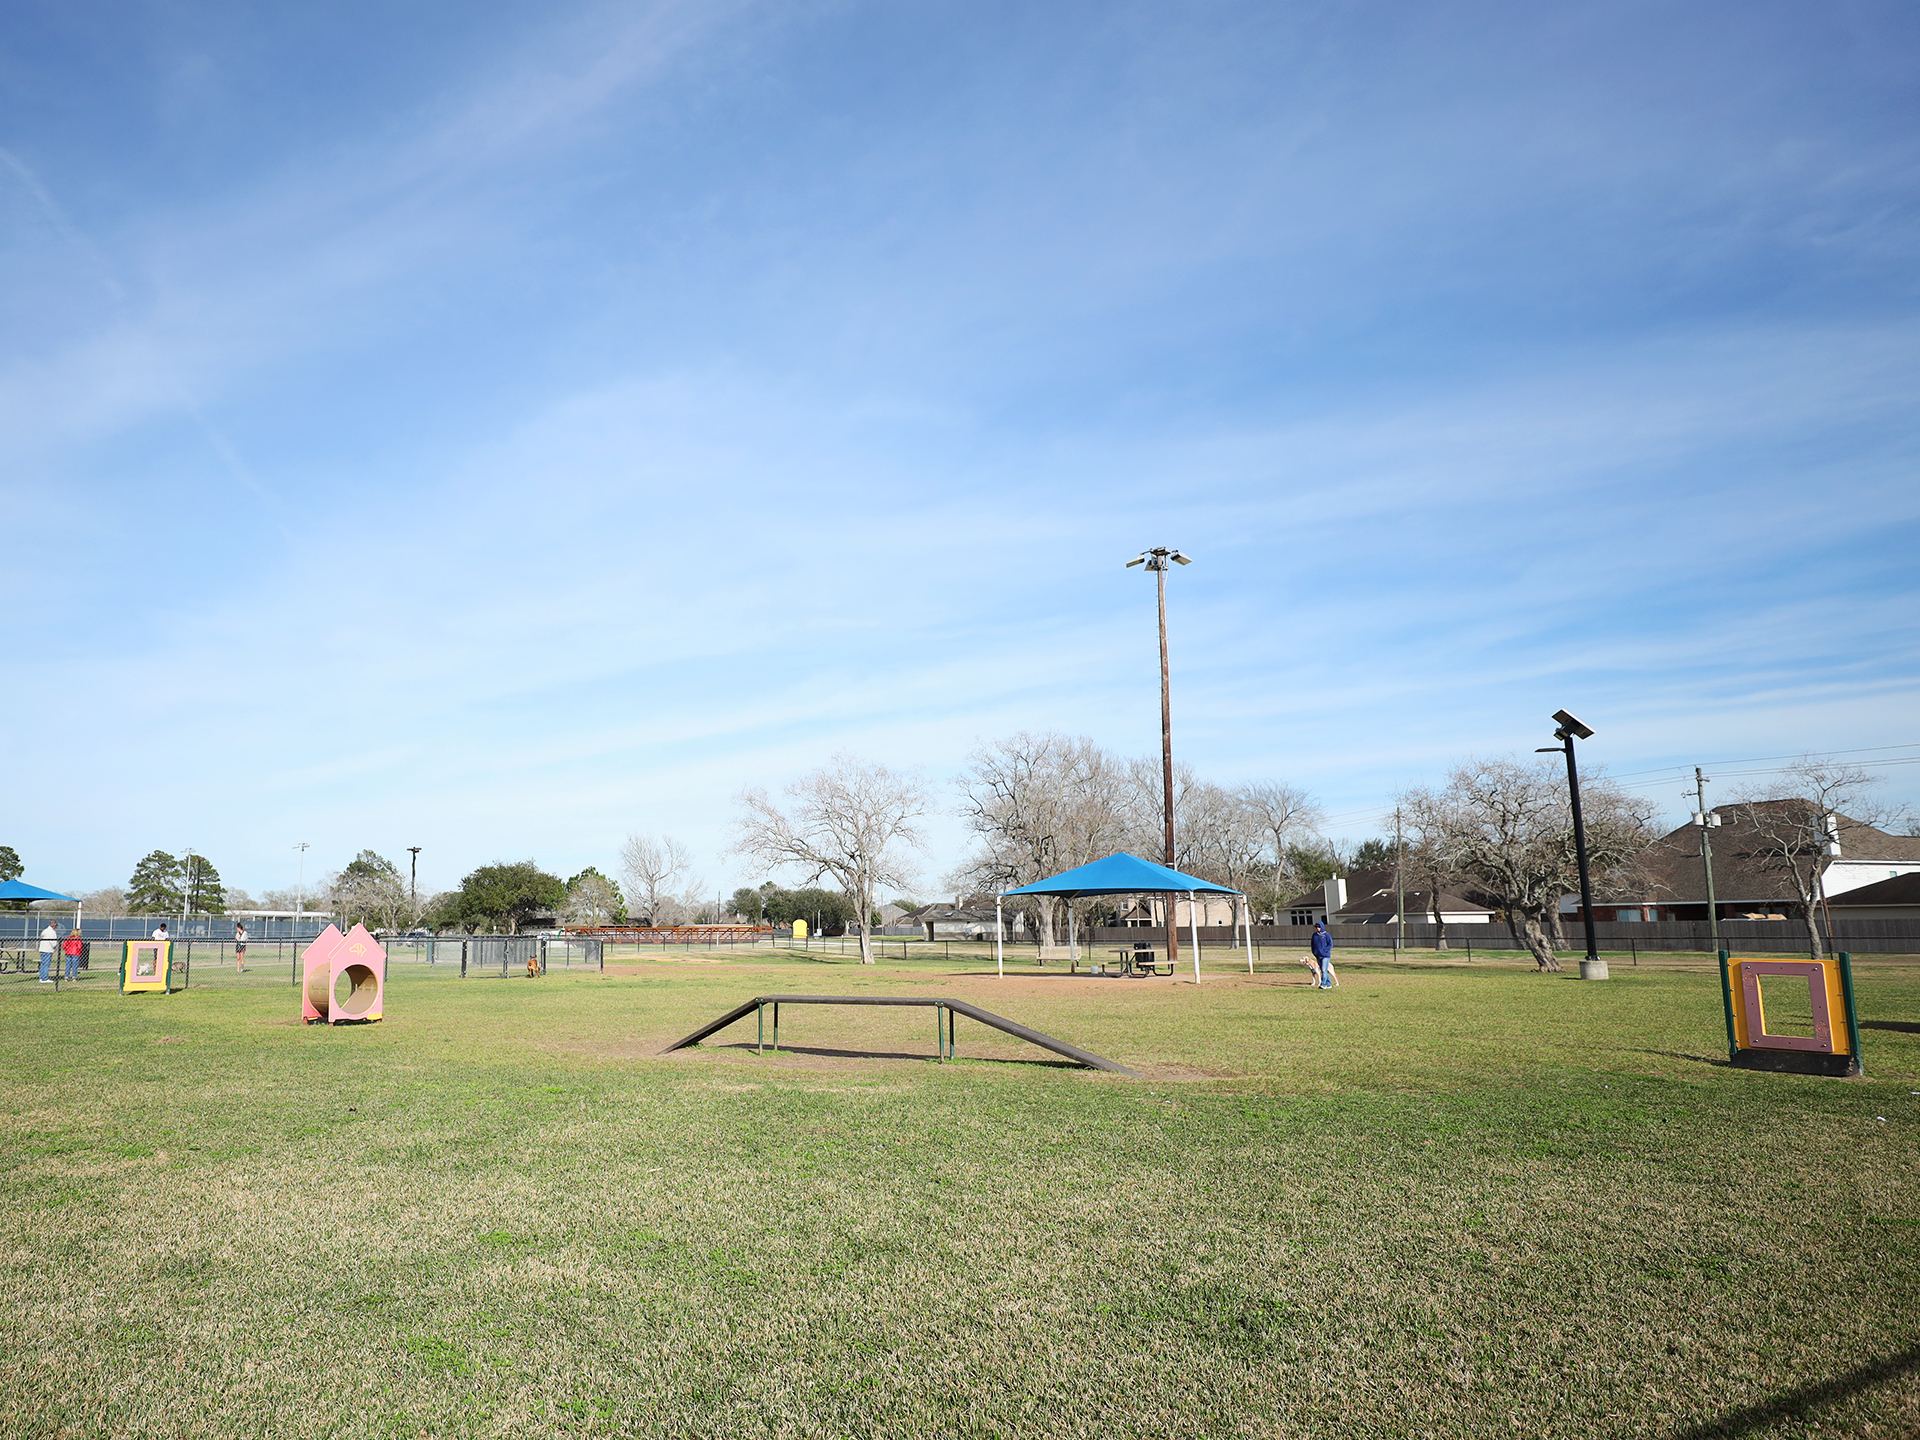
(355, 958)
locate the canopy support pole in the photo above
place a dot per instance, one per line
(1246, 909)
(1073, 944)
(999, 932)
(1193, 922)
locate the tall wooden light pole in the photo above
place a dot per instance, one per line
(1157, 560)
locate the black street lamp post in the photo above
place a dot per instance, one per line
(1591, 968)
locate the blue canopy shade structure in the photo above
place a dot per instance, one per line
(1121, 874)
(20, 890)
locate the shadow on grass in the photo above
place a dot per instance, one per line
(1902, 1027)
(1719, 1060)
(826, 1053)
(1796, 1404)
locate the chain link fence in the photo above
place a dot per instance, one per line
(219, 964)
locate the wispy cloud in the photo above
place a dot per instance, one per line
(658, 400)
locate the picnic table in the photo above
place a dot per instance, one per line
(1139, 960)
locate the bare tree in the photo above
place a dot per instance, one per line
(591, 899)
(852, 819)
(110, 901)
(651, 869)
(372, 890)
(1288, 818)
(1039, 804)
(1796, 835)
(1425, 856)
(1225, 837)
(1506, 827)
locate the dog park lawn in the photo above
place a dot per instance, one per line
(1440, 1201)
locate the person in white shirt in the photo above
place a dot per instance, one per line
(160, 931)
(240, 947)
(48, 938)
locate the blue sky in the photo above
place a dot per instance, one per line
(502, 429)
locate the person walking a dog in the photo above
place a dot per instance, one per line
(1323, 955)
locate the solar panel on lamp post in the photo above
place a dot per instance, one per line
(1157, 560)
(1569, 728)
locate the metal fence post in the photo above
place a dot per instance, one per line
(1853, 1018)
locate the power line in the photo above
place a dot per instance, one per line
(1773, 770)
(1758, 759)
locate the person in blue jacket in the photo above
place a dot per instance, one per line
(1323, 952)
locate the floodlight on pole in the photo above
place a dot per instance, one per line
(1157, 559)
(1569, 729)
(1567, 722)
(300, 890)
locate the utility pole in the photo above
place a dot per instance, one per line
(1157, 560)
(1399, 891)
(413, 876)
(1706, 820)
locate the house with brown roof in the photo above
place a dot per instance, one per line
(965, 922)
(1895, 898)
(1367, 897)
(1750, 881)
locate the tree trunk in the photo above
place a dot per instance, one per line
(866, 924)
(1045, 904)
(1556, 933)
(1816, 947)
(1535, 935)
(1439, 923)
(1808, 886)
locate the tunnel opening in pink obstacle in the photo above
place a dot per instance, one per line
(355, 991)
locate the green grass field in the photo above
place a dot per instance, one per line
(1440, 1201)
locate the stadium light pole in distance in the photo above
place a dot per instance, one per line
(1569, 729)
(1157, 560)
(300, 890)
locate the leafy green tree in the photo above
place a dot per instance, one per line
(827, 912)
(205, 894)
(746, 904)
(593, 899)
(1315, 864)
(371, 889)
(10, 868)
(155, 887)
(369, 865)
(509, 894)
(1371, 855)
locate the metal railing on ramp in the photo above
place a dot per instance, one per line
(943, 1024)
